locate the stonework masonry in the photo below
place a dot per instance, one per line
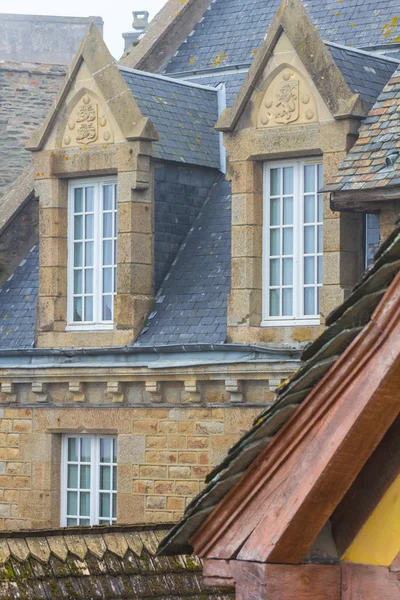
(26, 91)
(171, 432)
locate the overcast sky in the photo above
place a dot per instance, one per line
(116, 14)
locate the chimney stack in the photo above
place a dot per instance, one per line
(140, 23)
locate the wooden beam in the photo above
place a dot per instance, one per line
(382, 468)
(366, 582)
(364, 199)
(289, 492)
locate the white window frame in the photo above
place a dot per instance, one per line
(298, 245)
(94, 477)
(97, 323)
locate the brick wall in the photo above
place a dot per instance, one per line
(26, 93)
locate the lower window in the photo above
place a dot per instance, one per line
(292, 242)
(89, 480)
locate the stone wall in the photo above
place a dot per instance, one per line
(43, 39)
(171, 433)
(26, 93)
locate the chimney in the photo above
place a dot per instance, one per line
(140, 23)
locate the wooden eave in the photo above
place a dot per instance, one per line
(292, 19)
(315, 458)
(364, 199)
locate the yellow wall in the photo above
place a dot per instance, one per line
(378, 542)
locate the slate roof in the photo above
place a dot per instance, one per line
(379, 136)
(184, 116)
(191, 305)
(97, 562)
(232, 81)
(231, 31)
(18, 304)
(344, 324)
(364, 73)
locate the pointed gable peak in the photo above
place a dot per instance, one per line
(292, 23)
(93, 80)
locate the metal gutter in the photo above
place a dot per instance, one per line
(143, 356)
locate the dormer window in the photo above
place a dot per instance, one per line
(92, 253)
(292, 243)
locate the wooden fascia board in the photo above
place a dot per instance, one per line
(344, 581)
(364, 199)
(292, 19)
(341, 413)
(382, 468)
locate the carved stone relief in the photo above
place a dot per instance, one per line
(87, 125)
(288, 99)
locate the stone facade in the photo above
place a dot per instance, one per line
(51, 39)
(171, 433)
(257, 129)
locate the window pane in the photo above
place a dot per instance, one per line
(114, 478)
(287, 271)
(85, 477)
(319, 279)
(274, 296)
(309, 240)
(85, 449)
(71, 522)
(288, 180)
(78, 281)
(107, 253)
(77, 309)
(287, 308)
(89, 254)
(309, 178)
(114, 508)
(105, 478)
(105, 450)
(309, 209)
(107, 280)
(288, 241)
(274, 271)
(73, 449)
(89, 227)
(275, 184)
(84, 522)
(319, 238)
(320, 177)
(72, 503)
(309, 296)
(107, 225)
(104, 505)
(78, 255)
(89, 281)
(107, 197)
(89, 199)
(78, 227)
(115, 448)
(78, 200)
(107, 308)
(275, 242)
(309, 270)
(320, 208)
(84, 504)
(72, 478)
(88, 308)
(288, 211)
(275, 211)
